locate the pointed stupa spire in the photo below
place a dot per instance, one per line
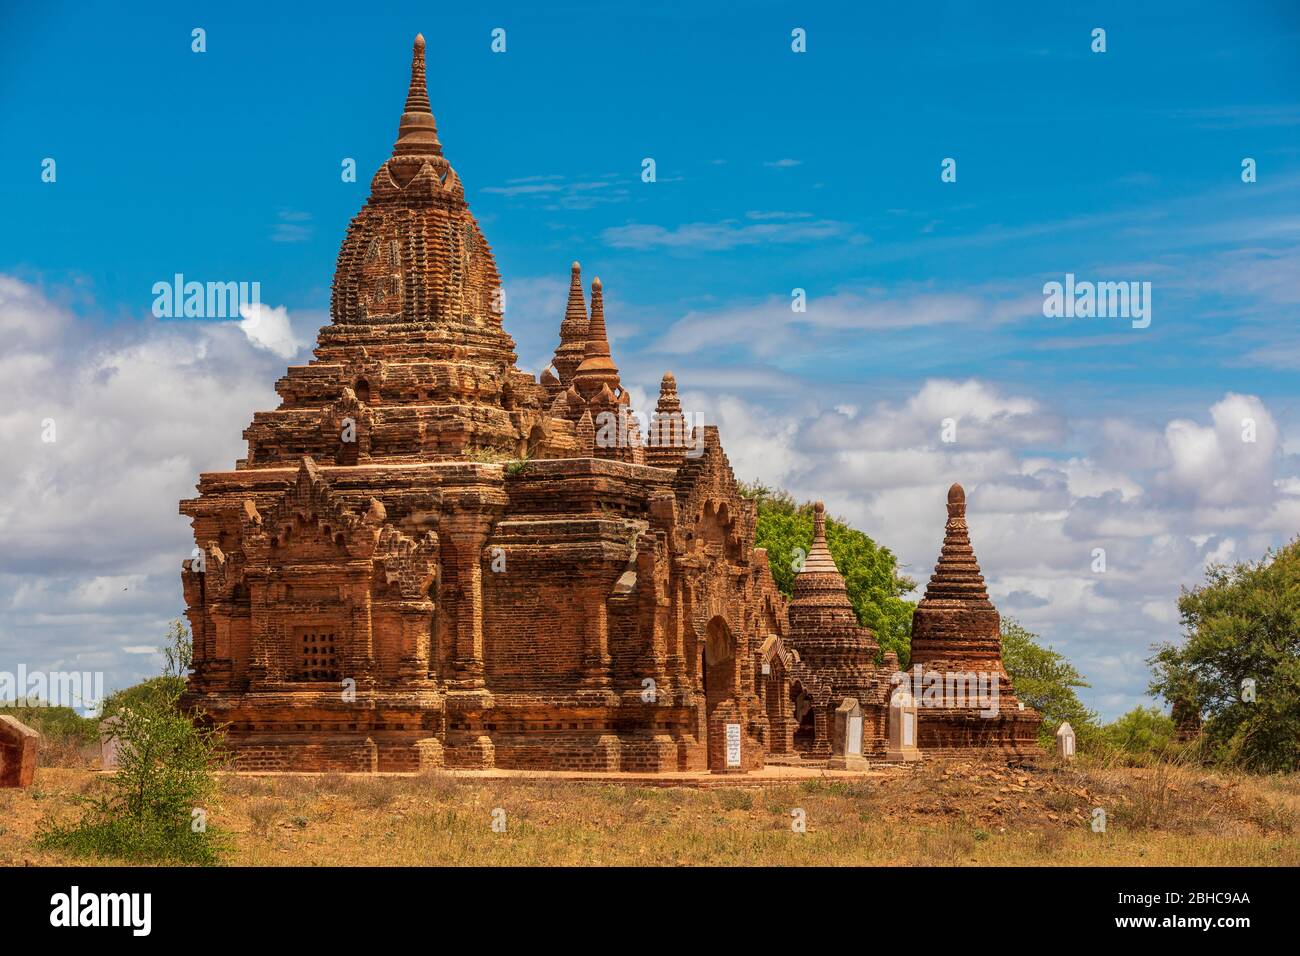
(955, 629)
(417, 135)
(576, 309)
(597, 369)
(417, 97)
(824, 628)
(668, 440)
(819, 560)
(957, 576)
(597, 337)
(573, 330)
(669, 403)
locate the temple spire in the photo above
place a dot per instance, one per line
(824, 627)
(957, 576)
(669, 403)
(576, 309)
(417, 135)
(597, 338)
(417, 98)
(573, 329)
(819, 560)
(597, 370)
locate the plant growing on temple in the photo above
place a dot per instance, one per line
(1239, 665)
(1044, 680)
(154, 807)
(876, 589)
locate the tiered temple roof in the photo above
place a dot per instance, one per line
(956, 623)
(824, 628)
(573, 331)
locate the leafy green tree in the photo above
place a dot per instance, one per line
(876, 588)
(1143, 730)
(1044, 680)
(1239, 664)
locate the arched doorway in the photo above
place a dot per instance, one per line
(804, 713)
(720, 679)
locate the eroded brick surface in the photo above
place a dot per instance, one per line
(18, 744)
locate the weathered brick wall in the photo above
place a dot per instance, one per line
(18, 747)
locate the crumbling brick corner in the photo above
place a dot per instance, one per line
(17, 752)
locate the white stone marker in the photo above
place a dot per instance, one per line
(1065, 741)
(902, 728)
(846, 744)
(108, 743)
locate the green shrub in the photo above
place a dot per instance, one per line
(155, 805)
(55, 724)
(1142, 731)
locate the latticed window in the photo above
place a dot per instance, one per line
(317, 657)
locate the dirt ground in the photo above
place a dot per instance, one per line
(936, 814)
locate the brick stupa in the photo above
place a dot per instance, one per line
(833, 646)
(956, 633)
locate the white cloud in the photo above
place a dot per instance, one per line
(269, 328)
(838, 315)
(93, 538)
(726, 234)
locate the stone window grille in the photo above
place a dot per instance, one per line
(317, 656)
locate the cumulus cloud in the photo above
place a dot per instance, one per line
(110, 427)
(269, 328)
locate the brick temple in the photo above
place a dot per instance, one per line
(430, 558)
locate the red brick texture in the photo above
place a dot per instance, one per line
(18, 744)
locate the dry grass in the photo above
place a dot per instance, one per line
(954, 814)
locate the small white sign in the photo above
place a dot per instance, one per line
(854, 745)
(909, 729)
(733, 745)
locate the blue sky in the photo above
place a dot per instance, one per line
(775, 171)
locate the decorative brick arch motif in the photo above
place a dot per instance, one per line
(348, 424)
(305, 625)
(716, 528)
